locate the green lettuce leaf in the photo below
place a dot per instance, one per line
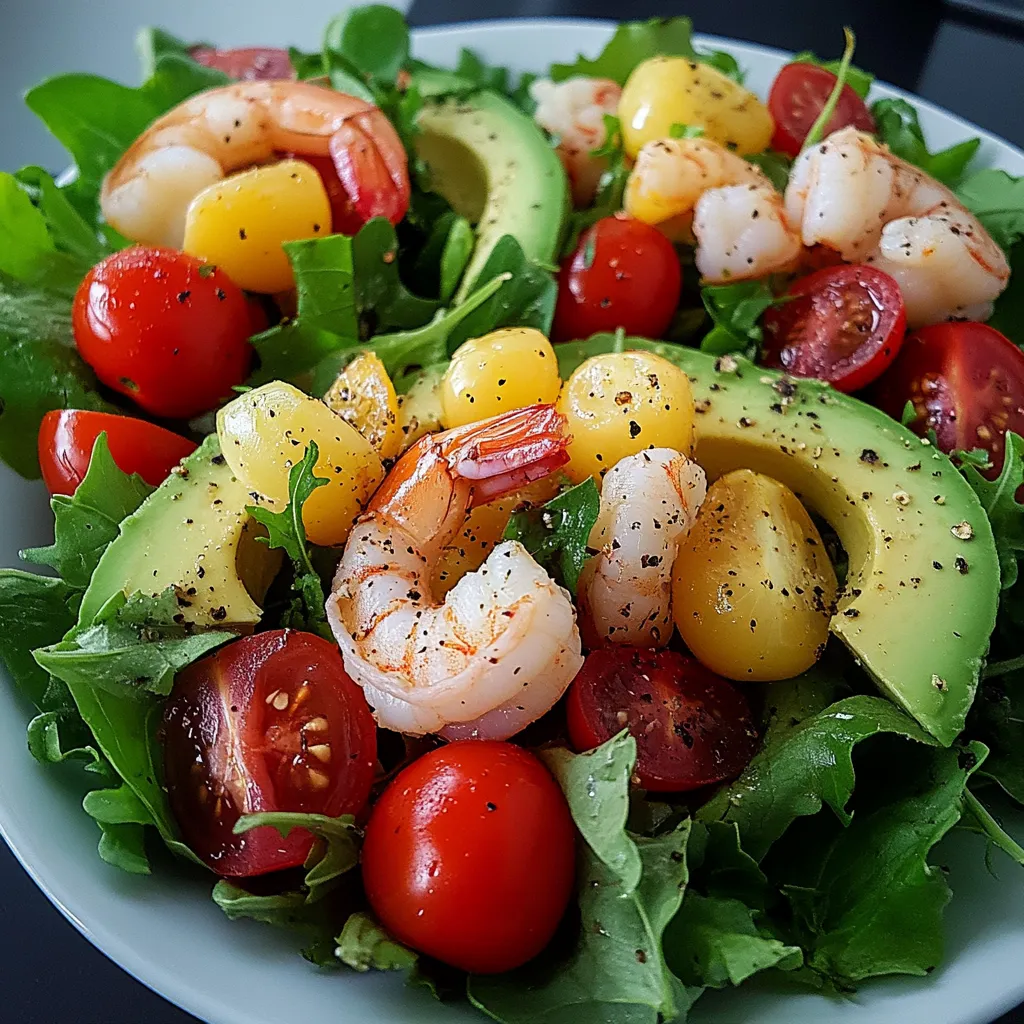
(637, 41)
(735, 311)
(557, 533)
(898, 127)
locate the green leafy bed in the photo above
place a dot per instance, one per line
(815, 867)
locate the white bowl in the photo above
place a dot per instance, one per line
(165, 930)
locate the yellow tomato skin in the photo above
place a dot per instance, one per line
(753, 589)
(621, 403)
(419, 409)
(665, 91)
(264, 432)
(482, 529)
(504, 370)
(240, 223)
(363, 396)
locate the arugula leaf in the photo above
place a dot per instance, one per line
(806, 767)
(35, 611)
(715, 941)
(997, 200)
(637, 41)
(285, 530)
(817, 130)
(899, 128)
(735, 310)
(977, 818)
(1008, 309)
(877, 903)
(776, 166)
(152, 43)
(445, 255)
(997, 718)
(176, 77)
(557, 533)
(48, 745)
(87, 521)
(616, 970)
(858, 80)
(306, 65)
(527, 300)
(373, 38)
(124, 847)
(998, 498)
(363, 944)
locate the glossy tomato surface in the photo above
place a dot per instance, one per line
(271, 722)
(798, 95)
(842, 324)
(624, 273)
(692, 728)
(344, 218)
(248, 63)
(965, 381)
(67, 438)
(469, 855)
(163, 328)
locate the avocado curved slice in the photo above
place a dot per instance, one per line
(922, 592)
(497, 169)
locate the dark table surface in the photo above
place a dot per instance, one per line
(971, 65)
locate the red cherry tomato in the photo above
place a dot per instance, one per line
(249, 63)
(163, 328)
(840, 324)
(271, 722)
(624, 273)
(469, 856)
(798, 95)
(966, 382)
(692, 728)
(67, 437)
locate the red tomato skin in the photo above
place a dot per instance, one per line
(632, 281)
(344, 218)
(67, 438)
(966, 382)
(247, 63)
(231, 750)
(692, 728)
(469, 856)
(163, 328)
(798, 96)
(843, 324)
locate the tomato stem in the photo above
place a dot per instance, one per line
(818, 128)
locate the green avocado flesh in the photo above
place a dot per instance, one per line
(920, 599)
(192, 533)
(496, 168)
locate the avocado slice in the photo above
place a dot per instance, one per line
(498, 170)
(921, 595)
(192, 533)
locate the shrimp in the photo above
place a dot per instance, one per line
(852, 194)
(697, 188)
(649, 502)
(232, 128)
(573, 111)
(503, 646)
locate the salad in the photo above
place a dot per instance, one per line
(553, 537)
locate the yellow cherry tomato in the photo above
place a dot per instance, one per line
(665, 91)
(504, 370)
(265, 432)
(419, 409)
(364, 396)
(621, 403)
(239, 223)
(753, 589)
(482, 529)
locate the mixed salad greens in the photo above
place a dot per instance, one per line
(784, 826)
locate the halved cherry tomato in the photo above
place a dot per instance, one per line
(469, 856)
(248, 63)
(163, 328)
(798, 95)
(841, 324)
(67, 437)
(692, 728)
(271, 722)
(624, 273)
(965, 381)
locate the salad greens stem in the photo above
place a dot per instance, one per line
(1002, 668)
(818, 128)
(990, 828)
